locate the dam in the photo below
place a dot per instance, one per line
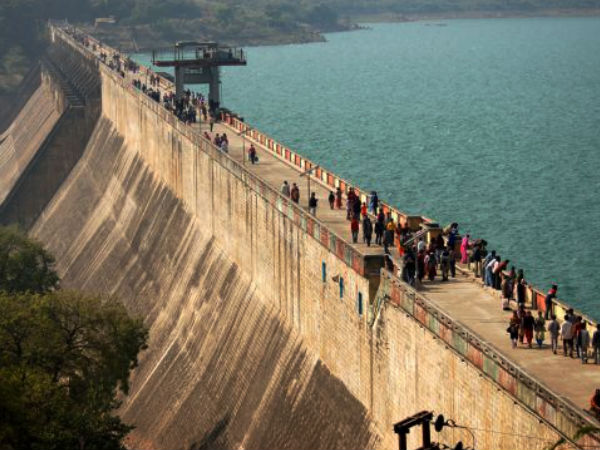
(269, 328)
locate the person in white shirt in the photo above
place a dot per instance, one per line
(566, 331)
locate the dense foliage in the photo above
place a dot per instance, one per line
(64, 356)
(24, 264)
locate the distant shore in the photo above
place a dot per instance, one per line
(449, 15)
(143, 38)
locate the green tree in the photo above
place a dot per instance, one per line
(24, 264)
(64, 357)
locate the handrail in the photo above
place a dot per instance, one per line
(434, 317)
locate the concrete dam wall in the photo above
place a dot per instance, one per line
(251, 343)
(222, 369)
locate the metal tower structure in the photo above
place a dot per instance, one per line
(199, 63)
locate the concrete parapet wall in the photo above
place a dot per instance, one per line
(536, 403)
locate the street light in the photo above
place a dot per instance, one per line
(244, 133)
(307, 173)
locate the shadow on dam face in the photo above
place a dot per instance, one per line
(222, 369)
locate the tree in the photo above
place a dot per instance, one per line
(64, 356)
(24, 264)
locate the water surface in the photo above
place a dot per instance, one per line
(491, 123)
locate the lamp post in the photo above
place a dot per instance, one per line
(243, 134)
(307, 173)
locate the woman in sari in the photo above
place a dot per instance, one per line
(464, 250)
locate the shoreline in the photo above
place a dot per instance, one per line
(366, 19)
(128, 38)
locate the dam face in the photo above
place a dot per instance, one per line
(254, 342)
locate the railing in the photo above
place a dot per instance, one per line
(331, 180)
(560, 413)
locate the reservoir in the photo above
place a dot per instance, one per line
(494, 124)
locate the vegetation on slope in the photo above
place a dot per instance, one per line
(147, 22)
(64, 356)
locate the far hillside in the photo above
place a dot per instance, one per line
(141, 24)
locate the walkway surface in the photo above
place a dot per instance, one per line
(463, 299)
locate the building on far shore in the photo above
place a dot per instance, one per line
(105, 22)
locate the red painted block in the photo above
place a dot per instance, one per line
(540, 300)
(325, 237)
(288, 154)
(420, 314)
(446, 333)
(475, 356)
(310, 226)
(507, 381)
(297, 160)
(340, 249)
(358, 263)
(330, 180)
(396, 296)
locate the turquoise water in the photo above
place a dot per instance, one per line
(494, 124)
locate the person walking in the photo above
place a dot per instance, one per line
(452, 261)
(584, 342)
(421, 266)
(285, 189)
(554, 329)
(575, 332)
(567, 337)
(212, 123)
(464, 250)
(476, 259)
(331, 199)
(373, 202)
(367, 230)
(312, 204)
(521, 287)
(388, 239)
(252, 154)
(528, 325)
(445, 263)
(379, 229)
(431, 264)
(540, 329)
(338, 198)
(295, 193)
(488, 258)
(513, 329)
(596, 344)
(548, 300)
(354, 229)
(489, 271)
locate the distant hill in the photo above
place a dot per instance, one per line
(145, 23)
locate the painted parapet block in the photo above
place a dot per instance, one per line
(558, 412)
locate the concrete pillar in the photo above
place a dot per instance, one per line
(214, 88)
(414, 222)
(433, 230)
(179, 80)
